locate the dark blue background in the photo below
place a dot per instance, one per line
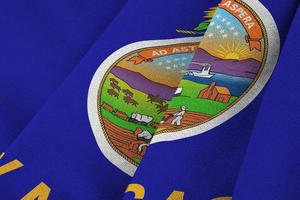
(40, 43)
(271, 168)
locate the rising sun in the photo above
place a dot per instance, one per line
(232, 55)
(233, 51)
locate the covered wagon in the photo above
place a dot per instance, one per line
(140, 119)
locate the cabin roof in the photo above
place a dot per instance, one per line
(222, 90)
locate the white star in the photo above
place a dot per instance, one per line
(222, 31)
(218, 16)
(169, 61)
(223, 20)
(218, 27)
(210, 35)
(232, 28)
(228, 23)
(236, 33)
(225, 36)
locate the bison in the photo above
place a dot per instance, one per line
(129, 100)
(113, 93)
(127, 92)
(115, 86)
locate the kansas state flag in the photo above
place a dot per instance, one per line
(168, 104)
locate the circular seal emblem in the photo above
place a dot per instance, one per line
(164, 90)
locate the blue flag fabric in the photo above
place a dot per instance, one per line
(57, 154)
(41, 42)
(270, 169)
(207, 166)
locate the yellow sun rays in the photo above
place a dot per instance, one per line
(210, 13)
(233, 51)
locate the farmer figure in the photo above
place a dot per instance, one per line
(178, 116)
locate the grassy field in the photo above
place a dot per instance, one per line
(190, 88)
(143, 107)
(189, 98)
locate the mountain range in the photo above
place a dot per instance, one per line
(247, 68)
(141, 83)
